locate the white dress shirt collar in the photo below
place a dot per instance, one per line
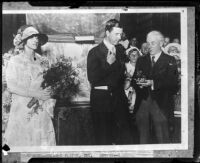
(156, 56)
(109, 45)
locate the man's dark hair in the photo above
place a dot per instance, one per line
(112, 23)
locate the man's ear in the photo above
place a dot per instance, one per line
(107, 33)
(161, 43)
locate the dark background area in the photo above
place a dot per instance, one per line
(139, 24)
(10, 25)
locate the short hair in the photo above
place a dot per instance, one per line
(176, 39)
(133, 38)
(158, 34)
(112, 23)
(144, 44)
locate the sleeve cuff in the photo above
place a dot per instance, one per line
(152, 85)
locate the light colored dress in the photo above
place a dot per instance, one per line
(130, 92)
(24, 129)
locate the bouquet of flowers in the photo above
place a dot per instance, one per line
(62, 78)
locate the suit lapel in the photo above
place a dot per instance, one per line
(103, 49)
(159, 63)
(148, 58)
(160, 60)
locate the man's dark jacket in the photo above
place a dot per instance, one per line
(101, 73)
(165, 77)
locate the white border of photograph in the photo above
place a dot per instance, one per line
(135, 149)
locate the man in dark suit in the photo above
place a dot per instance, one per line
(155, 81)
(105, 68)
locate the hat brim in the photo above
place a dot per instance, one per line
(166, 49)
(43, 38)
(132, 48)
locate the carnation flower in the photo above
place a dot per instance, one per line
(17, 40)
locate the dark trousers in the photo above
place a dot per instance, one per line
(123, 132)
(103, 116)
(103, 123)
(110, 117)
(150, 113)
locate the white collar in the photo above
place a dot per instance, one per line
(156, 56)
(108, 44)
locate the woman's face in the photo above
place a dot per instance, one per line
(173, 49)
(134, 56)
(32, 43)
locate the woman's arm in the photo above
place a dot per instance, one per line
(13, 88)
(13, 79)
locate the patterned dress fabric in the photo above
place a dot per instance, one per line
(23, 128)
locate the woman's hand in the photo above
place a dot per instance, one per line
(131, 108)
(45, 94)
(127, 84)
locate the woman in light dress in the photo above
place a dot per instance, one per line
(133, 54)
(6, 95)
(174, 49)
(24, 74)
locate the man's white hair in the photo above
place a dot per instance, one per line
(157, 34)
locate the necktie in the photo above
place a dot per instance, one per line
(113, 50)
(153, 61)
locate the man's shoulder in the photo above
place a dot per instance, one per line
(96, 47)
(168, 57)
(143, 58)
(93, 50)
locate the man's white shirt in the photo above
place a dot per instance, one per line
(109, 46)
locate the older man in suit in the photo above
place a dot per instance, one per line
(105, 68)
(155, 81)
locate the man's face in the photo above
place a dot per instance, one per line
(134, 41)
(114, 36)
(166, 41)
(144, 49)
(154, 44)
(176, 40)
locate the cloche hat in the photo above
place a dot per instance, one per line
(31, 31)
(132, 48)
(178, 46)
(26, 32)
